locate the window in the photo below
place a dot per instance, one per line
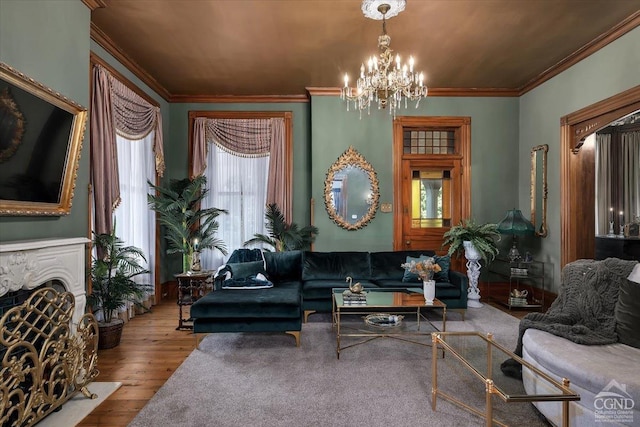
(135, 222)
(419, 141)
(239, 185)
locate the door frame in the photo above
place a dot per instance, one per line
(463, 153)
(577, 171)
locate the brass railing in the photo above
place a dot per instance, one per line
(44, 363)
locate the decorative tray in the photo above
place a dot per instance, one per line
(383, 320)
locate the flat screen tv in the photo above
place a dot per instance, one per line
(41, 136)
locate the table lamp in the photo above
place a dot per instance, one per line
(517, 225)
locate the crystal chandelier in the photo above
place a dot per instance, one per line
(385, 80)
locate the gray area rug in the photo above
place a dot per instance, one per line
(255, 379)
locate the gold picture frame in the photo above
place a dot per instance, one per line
(539, 189)
(42, 133)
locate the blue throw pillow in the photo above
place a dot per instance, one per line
(409, 276)
(444, 262)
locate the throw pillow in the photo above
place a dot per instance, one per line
(242, 270)
(627, 311)
(444, 262)
(409, 276)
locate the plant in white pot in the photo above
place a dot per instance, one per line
(113, 285)
(476, 241)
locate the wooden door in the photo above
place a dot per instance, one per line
(431, 179)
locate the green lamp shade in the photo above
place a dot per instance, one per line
(515, 223)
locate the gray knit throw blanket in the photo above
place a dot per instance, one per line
(583, 312)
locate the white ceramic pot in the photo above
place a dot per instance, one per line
(429, 289)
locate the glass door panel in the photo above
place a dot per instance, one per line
(431, 198)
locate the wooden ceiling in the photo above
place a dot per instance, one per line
(198, 49)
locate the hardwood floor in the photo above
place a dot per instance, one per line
(150, 351)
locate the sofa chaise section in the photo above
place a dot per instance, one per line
(276, 309)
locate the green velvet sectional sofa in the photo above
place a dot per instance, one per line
(302, 283)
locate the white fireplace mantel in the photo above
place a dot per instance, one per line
(28, 264)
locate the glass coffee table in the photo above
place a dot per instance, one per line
(480, 356)
(386, 313)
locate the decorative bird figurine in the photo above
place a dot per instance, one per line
(356, 288)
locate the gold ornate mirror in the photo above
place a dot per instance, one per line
(539, 189)
(351, 192)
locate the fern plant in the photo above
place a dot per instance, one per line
(482, 236)
(178, 209)
(113, 273)
(283, 236)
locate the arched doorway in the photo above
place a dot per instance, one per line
(577, 181)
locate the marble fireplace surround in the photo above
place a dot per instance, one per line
(28, 264)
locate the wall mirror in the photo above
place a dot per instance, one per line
(41, 135)
(539, 189)
(351, 193)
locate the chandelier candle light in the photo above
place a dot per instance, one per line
(385, 80)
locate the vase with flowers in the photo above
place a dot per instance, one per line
(425, 268)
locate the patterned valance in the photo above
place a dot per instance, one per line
(135, 118)
(246, 138)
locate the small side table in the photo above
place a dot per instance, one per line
(191, 287)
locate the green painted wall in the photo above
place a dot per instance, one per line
(607, 72)
(48, 40)
(494, 154)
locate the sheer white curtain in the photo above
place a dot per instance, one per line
(239, 185)
(135, 222)
(604, 181)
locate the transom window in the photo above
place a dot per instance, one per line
(432, 141)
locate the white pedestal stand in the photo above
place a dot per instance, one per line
(473, 272)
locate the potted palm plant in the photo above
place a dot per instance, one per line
(283, 236)
(187, 226)
(113, 285)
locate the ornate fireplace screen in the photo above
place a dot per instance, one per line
(44, 363)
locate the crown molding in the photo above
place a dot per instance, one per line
(438, 91)
(107, 44)
(590, 48)
(94, 4)
(323, 91)
(473, 91)
(239, 99)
